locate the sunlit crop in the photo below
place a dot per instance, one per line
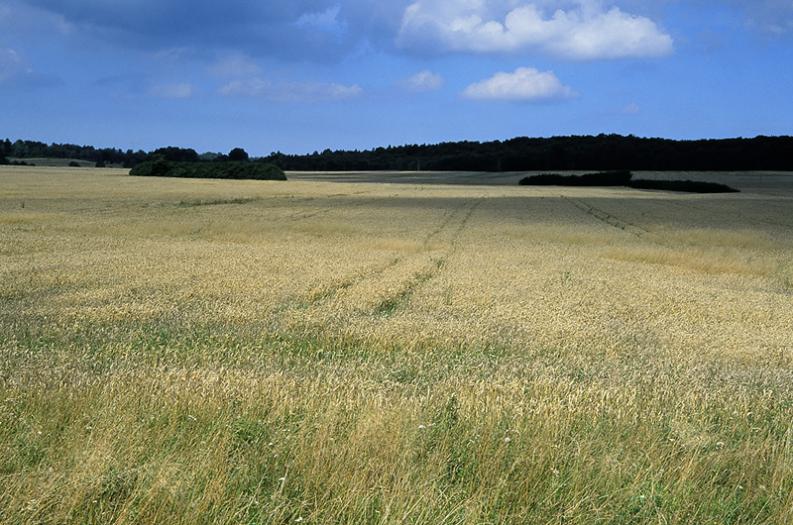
(185, 351)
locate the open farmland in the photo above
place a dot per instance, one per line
(316, 351)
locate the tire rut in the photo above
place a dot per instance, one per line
(393, 303)
(302, 215)
(742, 215)
(318, 298)
(607, 218)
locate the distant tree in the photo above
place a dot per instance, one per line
(3, 160)
(74, 164)
(174, 154)
(19, 149)
(238, 155)
(100, 163)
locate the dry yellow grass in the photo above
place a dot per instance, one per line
(179, 351)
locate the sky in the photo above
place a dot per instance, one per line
(298, 76)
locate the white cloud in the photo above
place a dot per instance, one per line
(180, 90)
(250, 88)
(290, 91)
(13, 68)
(10, 64)
(237, 65)
(632, 109)
(770, 16)
(327, 20)
(584, 30)
(22, 17)
(16, 71)
(174, 54)
(524, 84)
(425, 81)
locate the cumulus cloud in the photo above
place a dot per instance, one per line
(524, 84)
(324, 30)
(290, 91)
(178, 90)
(425, 81)
(585, 29)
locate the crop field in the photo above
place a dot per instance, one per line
(393, 351)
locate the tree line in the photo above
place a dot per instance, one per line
(601, 152)
(28, 149)
(31, 149)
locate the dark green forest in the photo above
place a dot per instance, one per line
(602, 152)
(28, 149)
(229, 169)
(625, 178)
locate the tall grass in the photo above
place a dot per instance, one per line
(201, 424)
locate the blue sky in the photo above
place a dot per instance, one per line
(303, 75)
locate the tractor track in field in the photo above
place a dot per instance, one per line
(447, 218)
(377, 271)
(302, 215)
(394, 302)
(742, 215)
(643, 233)
(389, 304)
(316, 299)
(607, 218)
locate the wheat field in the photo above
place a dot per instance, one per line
(313, 351)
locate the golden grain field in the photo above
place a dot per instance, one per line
(180, 352)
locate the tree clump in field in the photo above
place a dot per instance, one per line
(606, 178)
(690, 186)
(238, 155)
(209, 170)
(174, 154)
(625, 179)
